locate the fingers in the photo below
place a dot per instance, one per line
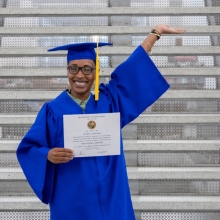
(166, 29)
(174, 31)
(57, 149)
(60, 155)
(180, 31)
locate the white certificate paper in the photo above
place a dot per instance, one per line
(92, 134)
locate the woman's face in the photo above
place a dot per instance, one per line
(80, 83)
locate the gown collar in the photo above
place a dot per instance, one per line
(91, 105)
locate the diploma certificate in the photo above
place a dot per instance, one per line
(92, 134)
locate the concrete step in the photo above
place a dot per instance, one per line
(140, 173)
(63, 31)
(167, 145)
(152, 158)
(140, 215)
(116, 50)
(142, 119)
(176, 203)
(180, 173)
(144, 145)
(100, 11)
(49, 94)
(162, 106)
(59, 72)
(142, 181)
(177, 118)
(147, 203)
(144, 131)
(21, 203)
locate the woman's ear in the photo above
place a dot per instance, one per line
(67, 69)
(68, 87)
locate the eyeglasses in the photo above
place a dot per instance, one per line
(86, 70)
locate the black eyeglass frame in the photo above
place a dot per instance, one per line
(81, 68)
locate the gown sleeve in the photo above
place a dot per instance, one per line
(32, 154)
(135, 85)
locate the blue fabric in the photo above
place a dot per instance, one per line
(93, 187)
(80, 51)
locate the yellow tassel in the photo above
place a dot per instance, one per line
(97, 75)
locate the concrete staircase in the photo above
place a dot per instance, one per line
(172, 149)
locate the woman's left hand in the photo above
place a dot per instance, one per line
(166, 29)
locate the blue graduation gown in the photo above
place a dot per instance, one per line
(92, 187)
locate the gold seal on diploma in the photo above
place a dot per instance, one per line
(91, 124)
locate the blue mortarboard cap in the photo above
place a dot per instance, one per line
(80, 51)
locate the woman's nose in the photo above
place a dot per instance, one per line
(80, 74)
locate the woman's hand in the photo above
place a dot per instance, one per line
(166, 29)
(160, 29)
(60, 155)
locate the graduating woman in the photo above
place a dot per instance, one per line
(88, 188)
